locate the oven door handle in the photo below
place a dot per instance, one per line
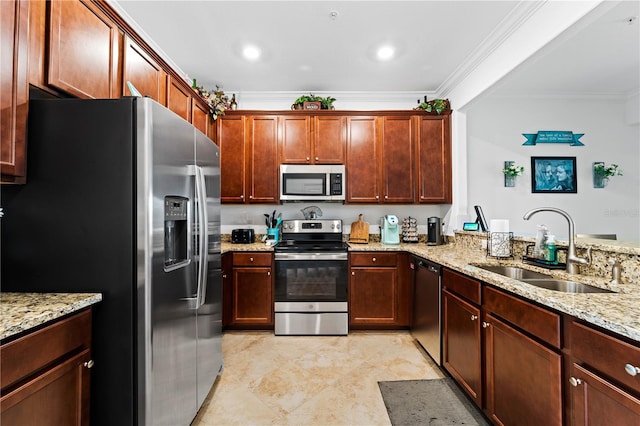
(311, 256)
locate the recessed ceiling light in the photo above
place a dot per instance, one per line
(385, 53)
(251, 53)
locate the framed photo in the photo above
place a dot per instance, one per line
(553, 175)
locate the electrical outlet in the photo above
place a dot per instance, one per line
(485, 244)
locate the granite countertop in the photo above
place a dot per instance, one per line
(618, 312)
(23, 311)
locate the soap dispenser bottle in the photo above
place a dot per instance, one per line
(551, 249)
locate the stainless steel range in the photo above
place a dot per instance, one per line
(311, 279)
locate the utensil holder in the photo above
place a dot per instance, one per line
(273, 234)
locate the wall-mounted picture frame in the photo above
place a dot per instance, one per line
(554, 175)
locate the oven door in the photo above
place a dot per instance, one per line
(311, 277)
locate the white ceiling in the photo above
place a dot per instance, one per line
(437, 42)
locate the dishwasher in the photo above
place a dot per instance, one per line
(426, 327)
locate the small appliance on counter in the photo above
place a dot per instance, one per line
(390, 230)
(242, 236)
(434, 234)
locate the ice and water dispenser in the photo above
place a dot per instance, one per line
(175, 232)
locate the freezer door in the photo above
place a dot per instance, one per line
(166, 290)
(209, 328)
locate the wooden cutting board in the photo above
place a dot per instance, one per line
(359, 231)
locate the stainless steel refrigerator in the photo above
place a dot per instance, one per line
(123, 198)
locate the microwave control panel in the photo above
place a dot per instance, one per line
(336, 183)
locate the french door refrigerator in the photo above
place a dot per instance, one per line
(123, 198)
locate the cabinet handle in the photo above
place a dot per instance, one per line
(251, 259)
(353, 273)
(317, 158)
(474, 317)
(224, 275)
(386, 197)
(250, 197)
(377, 197)
(373, 259)
(268, 273)
(631, 370)
(89, 363)
(307, 158)
(242, 197)
(575, 382)
(485, 324)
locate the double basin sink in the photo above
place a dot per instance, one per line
(542, 280)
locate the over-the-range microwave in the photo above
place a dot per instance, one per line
(301, 182)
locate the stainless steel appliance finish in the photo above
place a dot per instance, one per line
(127, 195)
(311, 279)
(426, 327)
(302, 182)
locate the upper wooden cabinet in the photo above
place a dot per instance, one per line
(200, 117)
(362, 165)
(14, 89)
(179, 98)
(434, 159)
(230, 136)
(144, 72)
(312, 139)
(262, 155)
(398, 159)
(84, 46)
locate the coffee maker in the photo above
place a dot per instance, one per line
(434, 236)
(390, 230)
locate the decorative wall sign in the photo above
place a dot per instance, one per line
(553, 136)
(553, 175)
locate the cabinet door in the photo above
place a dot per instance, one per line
(14, 90)
(60, 396)
(231, 140)
(373, 296)
(398, 159)
(295, 140)
(461, 349)
(434, 159)
(595, 401)
(252, 296)
(200, 117)
(363, 170)
(83, 50)
(179, 98)
(329, 139)
(262, 141)
(143, 72)
(227, 289)
(523, 377)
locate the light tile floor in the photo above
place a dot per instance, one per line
(311, 380)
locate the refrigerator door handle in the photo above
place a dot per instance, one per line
(203, 229)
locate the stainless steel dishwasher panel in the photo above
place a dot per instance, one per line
(426, 326)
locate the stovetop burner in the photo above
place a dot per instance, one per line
(323, 235)
(305, 246)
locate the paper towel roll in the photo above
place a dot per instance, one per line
(499, 225)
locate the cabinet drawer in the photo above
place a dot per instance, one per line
(251, 259)
(606, 354)
(28, 354)
(533, 319)
(374, 259)
(461, 285)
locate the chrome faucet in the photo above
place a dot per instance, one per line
(572, 259)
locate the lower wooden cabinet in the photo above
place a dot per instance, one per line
(379, 290)
(523, 377)
(248, 293)
(461, 343)
(46, 374)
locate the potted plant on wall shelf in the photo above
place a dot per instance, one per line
(511, 171)
(602, 173)
(312, 101)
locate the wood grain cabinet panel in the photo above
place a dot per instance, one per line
(230, 136)
(329, 139)
(434, 159)
(200, 117)
(14, 90)
(523, 377)
(179, 98)
(252, 291)
(262, 140)
(144, 72)
(295, 140)
(83, 50)
(398, 159)
(363, 167)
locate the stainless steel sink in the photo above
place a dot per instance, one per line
(542, 280)
(514, 272)
(565, 286)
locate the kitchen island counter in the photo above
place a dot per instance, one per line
(21, 312)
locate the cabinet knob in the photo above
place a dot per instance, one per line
(386, 197)
(575, 382)
(631, 370)
(250, 197)
(251, 259)
(224, 275)
(89, 363)
(485, 324)
(373, 259)
(268, 273)
(353, 273)
(377, 197)
(317, 158)
(307, 158)
(474, 317)
(242, 197)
